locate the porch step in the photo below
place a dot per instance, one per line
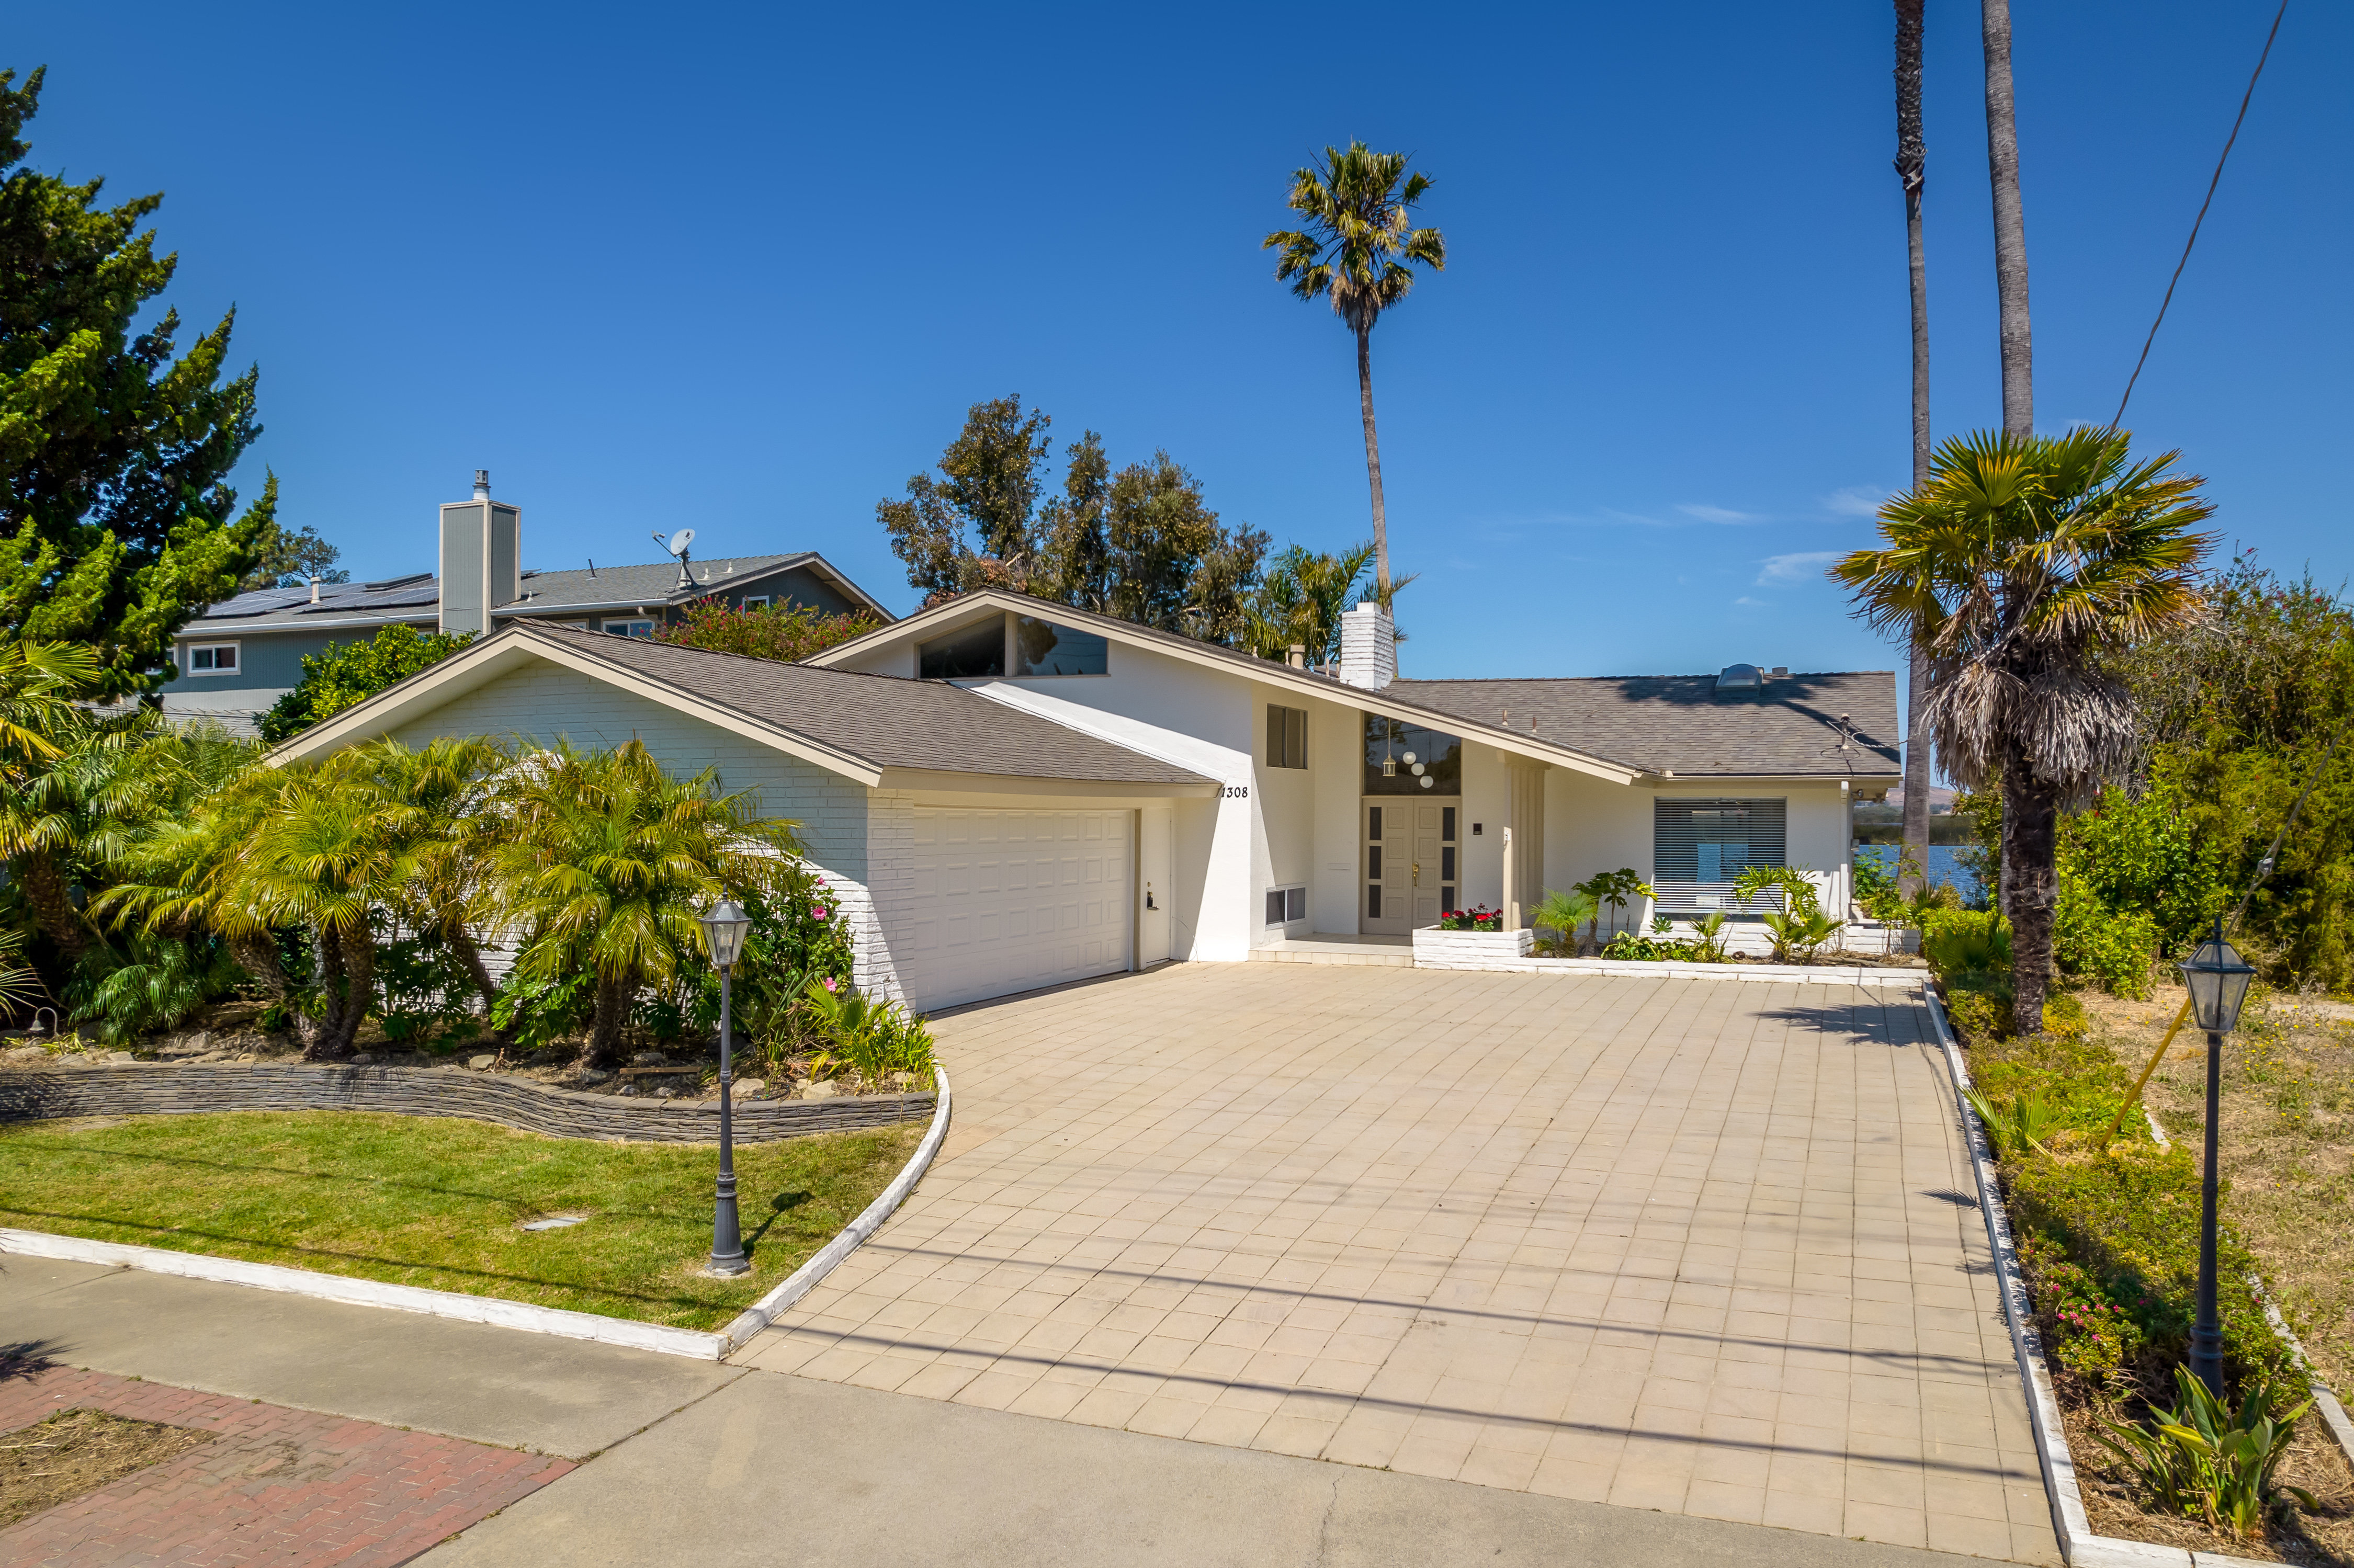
(1367, 954)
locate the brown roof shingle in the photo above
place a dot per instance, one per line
(883, 720)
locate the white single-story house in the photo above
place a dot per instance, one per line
(1008, 793)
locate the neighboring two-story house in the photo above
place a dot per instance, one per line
(239, 657)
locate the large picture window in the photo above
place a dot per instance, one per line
(969, 654)
(1700, 848)
(1043, 647)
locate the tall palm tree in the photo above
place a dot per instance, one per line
(606, 860)
(2016, 566)
(1911, 169)
(2010, 225)
(1359, 250)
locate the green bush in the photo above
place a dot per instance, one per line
(2088, 938)
(873, 1039)
(1630, 945)
(343, 674)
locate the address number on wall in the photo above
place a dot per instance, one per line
(1237, 792)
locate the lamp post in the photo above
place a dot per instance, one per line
(723, 925)
(2218, 977)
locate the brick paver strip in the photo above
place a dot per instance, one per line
(1710, 1249)
(276, 1487)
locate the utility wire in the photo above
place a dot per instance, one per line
(2187, 244)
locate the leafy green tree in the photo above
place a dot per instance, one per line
(2022, 564)
(343, 674)
(1141, 544)
(787, 633)
(292, 560)
(114, 454)
(606, 861)
(1357, 250)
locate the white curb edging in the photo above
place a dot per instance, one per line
(556, 1320)
(1678, 969)
(798, 1284)
(2078, 1543)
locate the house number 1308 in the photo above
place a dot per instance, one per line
(1237, 791)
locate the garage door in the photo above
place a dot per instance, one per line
(1008, 901)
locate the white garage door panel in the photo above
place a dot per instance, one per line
(1008, 901)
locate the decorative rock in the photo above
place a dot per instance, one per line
(595, 1076)
(362, 1060)
(820, 1091)
(649, 1059)
(665, 1093)
(483, 1063)
(748, 1087)
(121, 1056)
(901, 1080)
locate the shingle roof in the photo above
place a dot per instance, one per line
(884, 720)
(544, 592)
(1842, 722)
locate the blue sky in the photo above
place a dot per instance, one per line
(744, 270)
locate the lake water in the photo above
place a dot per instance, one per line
(1944, 865)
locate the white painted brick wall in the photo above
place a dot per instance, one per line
(891, 887)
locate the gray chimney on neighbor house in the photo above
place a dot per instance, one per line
(1368, 647)
(482, 559)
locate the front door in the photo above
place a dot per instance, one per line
(1411, 862)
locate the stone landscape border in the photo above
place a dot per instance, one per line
(188, 1087)
(562, 1322)
(1445, 958)
(2078, 1543)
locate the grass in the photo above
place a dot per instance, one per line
(2286, 1143)
(438, 1202)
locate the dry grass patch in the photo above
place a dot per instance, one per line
(2286, 1139)
(79, 1451)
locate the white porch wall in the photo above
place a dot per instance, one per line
(545, 703)
(1336, 762)
(1592, 826)
(1486, 800)
(1283, 839)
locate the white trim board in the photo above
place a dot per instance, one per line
(2078, 1543)
(1672, 969)
(693, 1343)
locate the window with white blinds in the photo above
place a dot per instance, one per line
(1699, 848)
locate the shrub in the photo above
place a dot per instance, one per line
(2111, 946)
(2086, 1331)
(2203, 1459)
(1649, 949)
(789, 633)
(1961, 943)
(873, 1039)
(343, 674)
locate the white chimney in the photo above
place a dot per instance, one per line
(1368, 647)
(482, 559)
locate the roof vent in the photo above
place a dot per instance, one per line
(1736, 677)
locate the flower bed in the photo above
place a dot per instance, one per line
(2109, 1238)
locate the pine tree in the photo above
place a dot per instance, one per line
(116, 516)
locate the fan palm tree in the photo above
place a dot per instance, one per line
(61, 767)
(606, 860)
(2010, 225)
(2020, 562)
(1911, 169)
(1359, 249)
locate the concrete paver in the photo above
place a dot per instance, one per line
(1705, 1248)
(402, 1369)
(775, 1469)
(275, 1486)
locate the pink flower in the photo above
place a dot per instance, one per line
(817, 912)
(830, 985)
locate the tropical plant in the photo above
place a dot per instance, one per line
(1913, 172)
(2018, 1125)
(2023, 561)
(871, 1038)
(345, 674)
(1796, 883)
(1563, 914)
(1710, 937)
(1968, 943)
(1357, 250)
(1300, 599)
(605, 861)
(1798, 935)
(789, 633)
(60, 765)
(20, 987)
(1615, 889)
(2202, 1459)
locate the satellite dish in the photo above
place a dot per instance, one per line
(680, 541)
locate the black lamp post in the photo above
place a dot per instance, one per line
(723, 925)
(2218, 977)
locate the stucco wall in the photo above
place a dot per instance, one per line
(1593, 826)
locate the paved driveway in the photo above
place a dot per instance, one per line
(1698, 1246)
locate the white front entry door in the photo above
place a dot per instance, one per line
(1008, 901)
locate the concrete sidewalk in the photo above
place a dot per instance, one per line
(565, 1397)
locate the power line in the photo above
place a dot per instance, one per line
(2187, 244)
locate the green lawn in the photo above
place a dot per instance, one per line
(436, 1202)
